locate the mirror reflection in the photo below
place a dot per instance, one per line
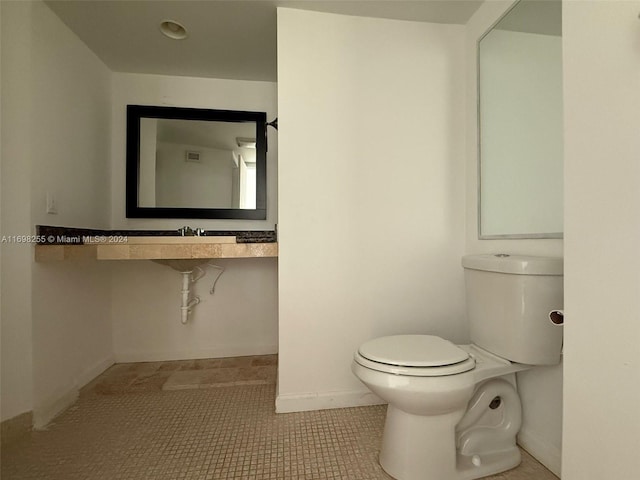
(195, 163)
(520, 119)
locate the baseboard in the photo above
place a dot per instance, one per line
(217, 352)
(66, 396)
(92, 372)
(323, 401)
(548, 455)
(54, 405)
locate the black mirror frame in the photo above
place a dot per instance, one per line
(136, 112)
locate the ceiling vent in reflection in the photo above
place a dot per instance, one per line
(191, 156)
(246, 142)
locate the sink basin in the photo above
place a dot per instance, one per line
(182, 264)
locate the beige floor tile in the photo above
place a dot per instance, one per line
(258, 373)
(125, 428)
(262, 360)
(176, 365)
(220, 377)
(236, 362)
(149, 383)
(215, 376)
(208, 363)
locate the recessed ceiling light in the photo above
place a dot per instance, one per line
(173, 29)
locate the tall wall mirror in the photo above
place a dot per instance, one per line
(520, 124)
(195, 163)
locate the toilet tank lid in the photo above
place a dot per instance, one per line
(514, 264)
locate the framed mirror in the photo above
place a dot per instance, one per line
(520, 123)
(196, 163)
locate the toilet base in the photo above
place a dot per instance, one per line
(488, 464)
(416, 447)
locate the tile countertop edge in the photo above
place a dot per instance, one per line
(53, 253)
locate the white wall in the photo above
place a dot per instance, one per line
(239, 319)
(242, 318)
(69, 157)
(72, 332)
(16, 389)
(61, 133)
(213, 93)
(602, 266)
(541, 391)
(371, 205)
(208, 182)
(70, 146)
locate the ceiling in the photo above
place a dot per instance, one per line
(210, 134)
(227, 38)
(534, 16)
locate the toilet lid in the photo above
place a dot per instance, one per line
(413, 351)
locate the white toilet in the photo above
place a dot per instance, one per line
(454, 411)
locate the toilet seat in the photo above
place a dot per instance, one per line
(414, 355)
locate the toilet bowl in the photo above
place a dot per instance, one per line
(440, 420)
(454, 411)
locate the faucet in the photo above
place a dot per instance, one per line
(185, 231)
(190, 232)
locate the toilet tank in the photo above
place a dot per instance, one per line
(508, 300)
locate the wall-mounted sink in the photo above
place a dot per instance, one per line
(182, 264)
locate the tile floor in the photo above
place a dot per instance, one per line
(126, 427)
(186, 374)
